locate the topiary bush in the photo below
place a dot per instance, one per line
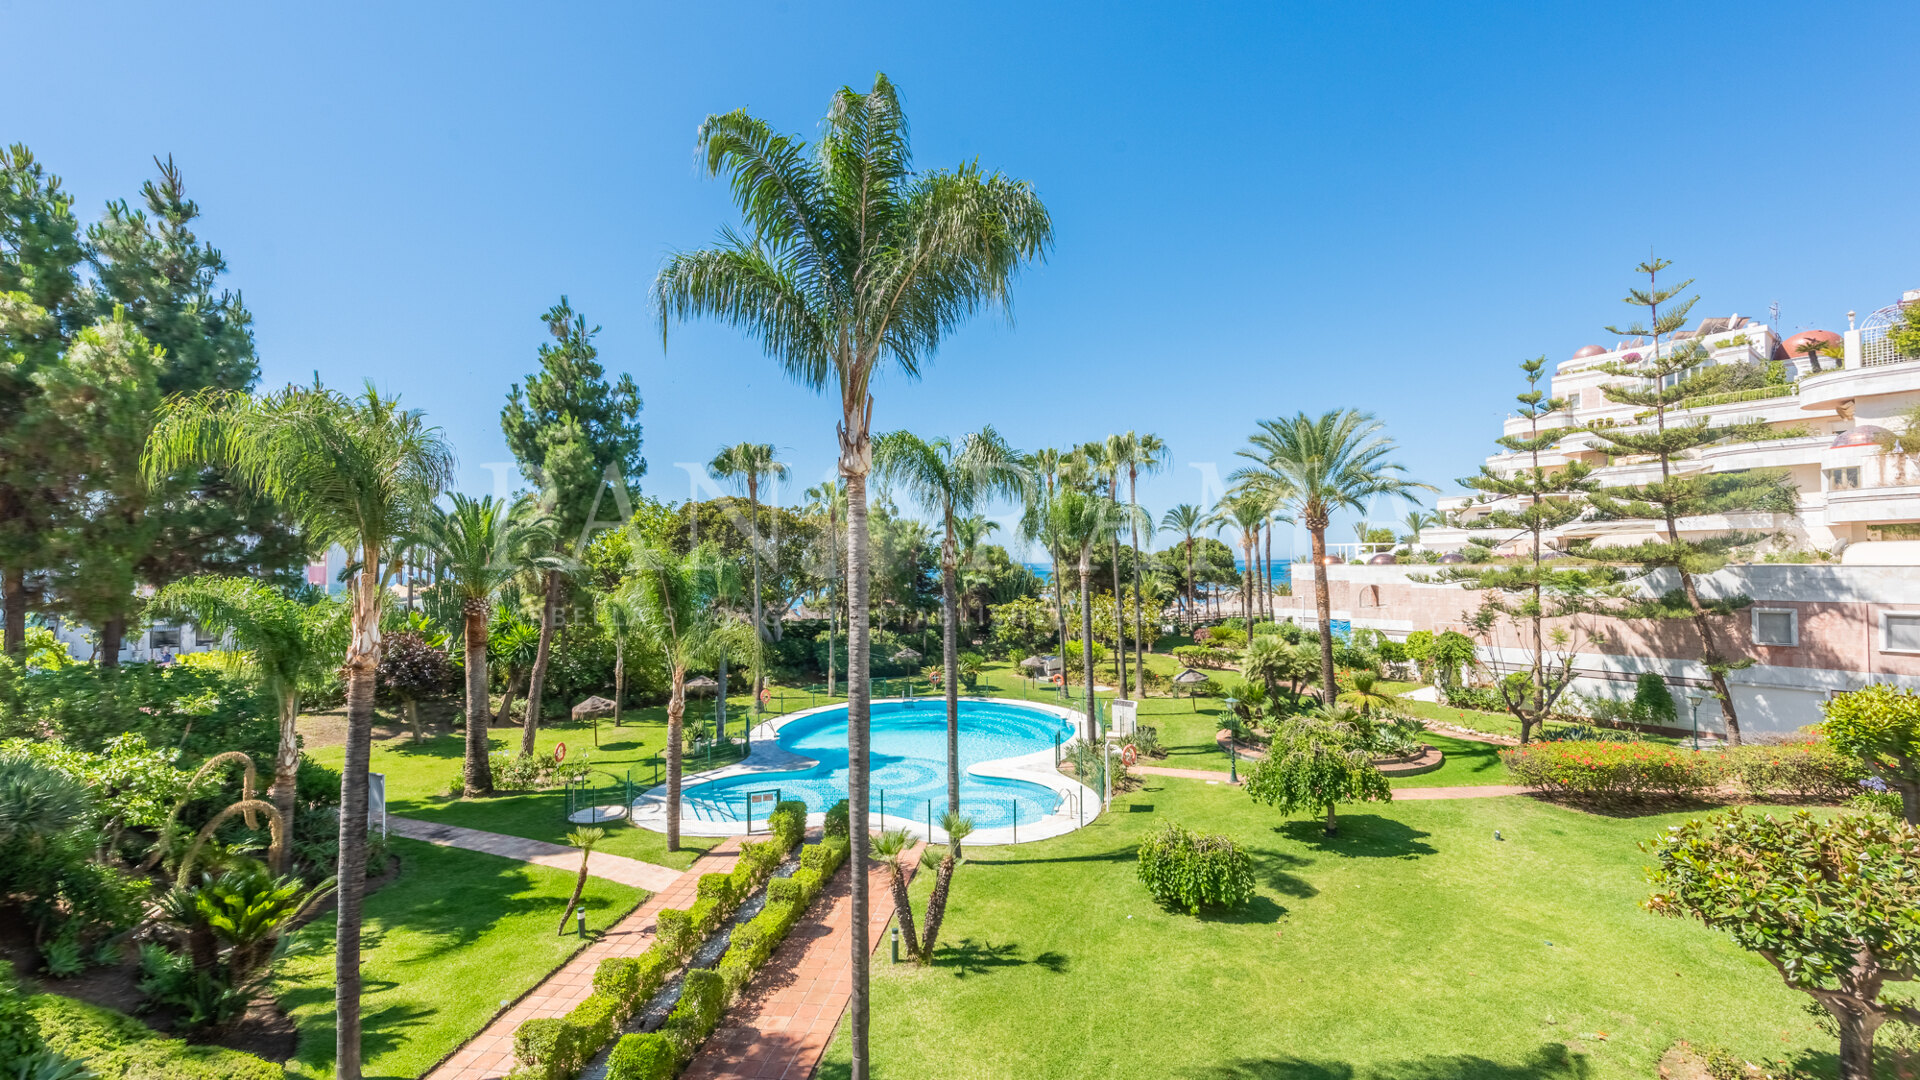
(837, 820)
(1184, 869)
(1801, 768)
(642, 1057)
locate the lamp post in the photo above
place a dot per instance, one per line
(1694, 698)
(1233, 750)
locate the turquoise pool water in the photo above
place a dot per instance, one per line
(909, 760)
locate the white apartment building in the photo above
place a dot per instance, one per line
(1828, 422)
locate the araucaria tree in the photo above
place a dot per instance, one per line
(1335, 461)
(1530, 502)
(1660, 381)
(851, 260)
(577, 438)
(358, 472)
(284, 641)
(953, 481)
(1833, 904)
(479, 546)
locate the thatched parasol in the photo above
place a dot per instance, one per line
(905, 656)
(701, 685)
(1190, 678)
(1034, 663)
(593, 706)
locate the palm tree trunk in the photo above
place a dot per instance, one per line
(363, 657)
(950, 665)
(1192, 590)
(753, 542)
(619, 676)
(1323, 606)
(903, 910)
(537, 681)
(676, 715)
(855, 459)
(286, 774)
(478, 777)
(1139, 638)
(13, 598)
(720, 697)
(1119, 622)
(1060, 616)
(1086, 644)
(1246, 583)
(937, 907)
(1266, 573)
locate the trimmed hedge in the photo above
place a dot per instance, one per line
(660, 1055)
(1808, 768)
(556, 1048)
(118, 1047)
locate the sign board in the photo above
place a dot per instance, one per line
(1122, 713)
(377, 802)
(761, 804)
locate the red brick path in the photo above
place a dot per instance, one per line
(490, 1053)
(783, 1022)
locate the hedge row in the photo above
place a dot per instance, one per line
(1609, 770)
(114, 1046)
(556, 1048)
(660, 1055)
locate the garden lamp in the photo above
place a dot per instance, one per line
(1694, 698)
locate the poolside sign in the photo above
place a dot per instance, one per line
(762, 801)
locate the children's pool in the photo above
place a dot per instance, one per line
(909, 760)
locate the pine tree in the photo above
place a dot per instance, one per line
(574, 435)
(1660, 382)
(1531, 502)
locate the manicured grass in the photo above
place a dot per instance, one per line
(1414, 946)
(445, 942)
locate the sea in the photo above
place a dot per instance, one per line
(1282, 570)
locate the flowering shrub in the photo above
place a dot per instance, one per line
(1804, 768)
(1615, 770)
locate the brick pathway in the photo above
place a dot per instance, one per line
(640, 875)
(490, 1053)
(1184, 774)
(782, 1024)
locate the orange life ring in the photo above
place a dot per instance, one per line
(1057, 679)
(1130, 756)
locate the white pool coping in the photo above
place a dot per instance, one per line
(767, 756)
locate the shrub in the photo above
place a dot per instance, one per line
(1184, 869)
(785, 891)
(807, 880)
(837, 820)
(642, 1057)
(618, 977)
(717, 888)
(702, 1000)
(1482, 698)
(1615, 770)
(788, 823)
(1652, 699)
(118, 1047)
(673, 930)
(1804, 768)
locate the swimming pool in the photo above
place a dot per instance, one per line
(909, 760)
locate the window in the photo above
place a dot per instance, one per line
(1847, 479)
(1776, 626)
(164, 637)
(202, 638)
(1900, 631)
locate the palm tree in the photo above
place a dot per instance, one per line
(358, 472)
(970, 532)
(584, 838)
(1138, 454)
(829, 500)
(1246, 511)
(1334, 461)
(1189, 521)
(1082, 521)
(479, 547)
(1036, 526)
(514, 644)
(851, 260)
(953, 480)
(618, 617)
(1416, 520)
(890, 848)
(677, 598)
(748, 464)
(285, 641)
(1103, 463)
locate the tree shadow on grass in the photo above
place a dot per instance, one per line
(1552, 1061)
(1275, 866)
(1120, 854)
(1361, 836)
(1258, 910)
(970, 957)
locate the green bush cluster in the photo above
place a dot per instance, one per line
(1205, 656)
(660, 1055)
(1191, 870)
(555, 1048)
(114, 1046)
(837, 820)
(199, 711)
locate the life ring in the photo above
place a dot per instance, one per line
(1058, 679)
(1129, 755)
(766, 695)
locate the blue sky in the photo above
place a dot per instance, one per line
(1260, 208)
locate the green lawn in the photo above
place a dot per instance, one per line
(445, 942)
(1413, 947)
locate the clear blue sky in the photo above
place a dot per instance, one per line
(1260, 208)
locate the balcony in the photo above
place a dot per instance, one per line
(1876, 505)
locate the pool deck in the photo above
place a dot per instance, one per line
(768, 757)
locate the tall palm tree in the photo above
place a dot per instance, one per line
(1415, 521)
(1082, 521)
(1036, 526)
(1189, 521)
(1246, 511)
(678, 601)
(357, 472)
(829, 501)
(953, 480)
(480, 545)
(1137, 454)
(852, 260)
(975, 579)
(1334, 461)
(1104, 464)
(748, 464)
(284, 640)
